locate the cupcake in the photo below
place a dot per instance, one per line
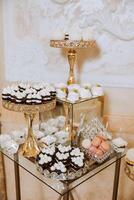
(62, 157)
(22, 86)
(36, 98)
(50, 150)
(64, 149)
(77, 163)
(61, 94)
(20, 97)
(62, 136)
(97, 91)
(77, 153)
(58, 167)
(73, 87)
(6, 93)
(52, 91)
(44, 161)
(85, 93)
(46, 96)
(73, 97)
(29, 99)
(48, 140)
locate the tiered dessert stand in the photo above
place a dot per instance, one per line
(30, 148)
(72, 46)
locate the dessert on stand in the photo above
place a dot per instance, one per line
(27, 100)
(66, 154)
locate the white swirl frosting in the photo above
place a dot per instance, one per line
(59, 166)
(44, 159)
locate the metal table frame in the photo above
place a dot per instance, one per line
(68, 195)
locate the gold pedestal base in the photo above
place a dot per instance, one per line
(30, 148)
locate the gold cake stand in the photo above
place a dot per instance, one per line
(72, 53)
(30, 147)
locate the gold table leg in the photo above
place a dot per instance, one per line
(71, 59)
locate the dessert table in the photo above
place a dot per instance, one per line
(64, 188)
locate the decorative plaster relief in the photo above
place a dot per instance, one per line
(30, 25)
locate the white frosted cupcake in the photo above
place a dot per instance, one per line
(85, 93)
(48, 140)
(97, 91)
(73, 87)
(61, 94)
(73, 97)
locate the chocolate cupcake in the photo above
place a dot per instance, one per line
(46, 96)
(36, 98)
(63, 157)
(52, 91)
(77, 163)
(64, 149)
(44, 161)
(6, 93)
(59, 168)
(22, 86)
(29, 99)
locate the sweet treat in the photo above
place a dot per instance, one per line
(48, 140)
(99, 146)
(130, 155)
(58, 167)
(38, 134)
(73, 97)
(99, 152)
(62, 157)
(87, 86)
(96, 141)
(62, 136)
(77, 163)
(93, 150)
(44, 160)
(119, 142)
(3, 139)
(61, 120)
(64, 149)
(85, 93)
(73, 87)
(18, 136)
(50, 150)
(29, 94)
(97, 91)
(104, 146)
(61, 94)
(86, 143)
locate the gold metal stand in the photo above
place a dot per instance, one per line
(30, 148)
(71, 46)
(72, 60)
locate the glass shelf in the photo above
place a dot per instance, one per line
(62, 187)
(80, 101)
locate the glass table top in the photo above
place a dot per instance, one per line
(62, 187)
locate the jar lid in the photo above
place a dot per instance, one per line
(130, 156)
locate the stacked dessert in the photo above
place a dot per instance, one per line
(60, 158)
(76, 92)
(29, 93)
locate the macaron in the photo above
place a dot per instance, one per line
(96, 141)
(92, 150)
(104, 146)
(99, 153)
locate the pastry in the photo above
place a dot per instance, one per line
(84, 93)
(119, 142)
(58, 167)
(77, 163)
(48, 140)
(86, 143)
(96, 141)
(97, 91)
(73, 97)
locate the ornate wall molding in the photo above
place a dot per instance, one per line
(29, 27)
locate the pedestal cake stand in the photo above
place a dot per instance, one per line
(30, 147)
(72, 46)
